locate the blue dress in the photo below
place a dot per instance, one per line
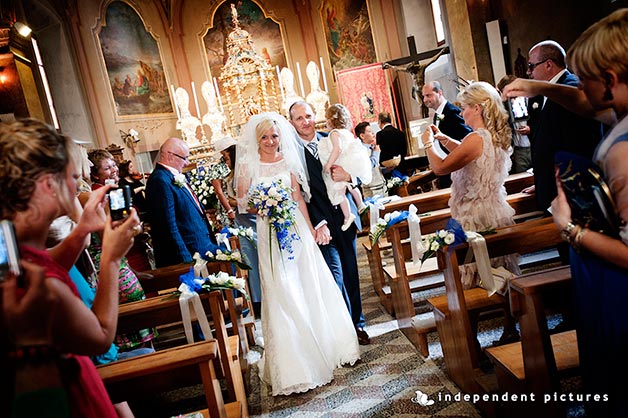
(600, 291)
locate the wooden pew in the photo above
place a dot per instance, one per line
(459, 343)
(165, 310)
(166, 370)
(536, 363)
(390, 279)
(165, 279)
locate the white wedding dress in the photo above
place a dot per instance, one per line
(307, 328)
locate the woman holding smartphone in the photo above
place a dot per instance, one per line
(39, 169)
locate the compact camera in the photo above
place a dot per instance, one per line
(120, 202)
(9, 251)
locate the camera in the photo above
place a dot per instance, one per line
(120, 202)
(518, 109)
(9, 251)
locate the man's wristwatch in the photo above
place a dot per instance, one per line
(567, 231)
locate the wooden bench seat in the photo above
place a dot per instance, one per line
(166, 370)
(165, 310)
(455, 331)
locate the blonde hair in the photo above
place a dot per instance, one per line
(30, 149)
(601, 47)
(263, 127)
(339, 116)
(494, 114)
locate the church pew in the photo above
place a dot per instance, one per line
(165, 310)
(451, 311)
(385, 278)
(536, 363)
(143, 376)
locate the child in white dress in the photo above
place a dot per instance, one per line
(343, 149)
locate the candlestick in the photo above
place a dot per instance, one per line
(324, 77)
(176, 105)
(300, 79)
(280, 83)
(218, 95)
(198, 112)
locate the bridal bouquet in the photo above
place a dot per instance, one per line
(273, 200)
(389, 220)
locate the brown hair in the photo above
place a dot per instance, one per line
(29, 149)
(339, 116)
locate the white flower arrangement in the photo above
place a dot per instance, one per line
(225, 255)
(243, 232)
(200, 183)
(389, 220)
(179, 180)
(395, 182)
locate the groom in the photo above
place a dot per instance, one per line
(338, 247)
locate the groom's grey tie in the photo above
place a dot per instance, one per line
(313, 146)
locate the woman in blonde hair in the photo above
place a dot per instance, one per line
(479, 165)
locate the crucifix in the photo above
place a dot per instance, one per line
(412, 65)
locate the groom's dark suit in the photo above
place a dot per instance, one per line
(340, 254)
(178, 226)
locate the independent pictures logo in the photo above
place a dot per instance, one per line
(422, 399)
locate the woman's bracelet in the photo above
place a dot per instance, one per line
(446, 142)
(577, 241)
(428, 145)
(230, 211)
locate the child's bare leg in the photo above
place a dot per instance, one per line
(346, 211)
(357, 198)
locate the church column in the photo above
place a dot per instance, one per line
(461, 38)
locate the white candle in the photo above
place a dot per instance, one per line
(218, 95)
(174, 97)
(300, 79)
(280, 83)
(198, 112)
(324, 77)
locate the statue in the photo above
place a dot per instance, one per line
(417, 70)
(317, 97)
(187, 123)
(213, 118)
(291, 96)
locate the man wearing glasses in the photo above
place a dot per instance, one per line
(556, 129)
(178, 224)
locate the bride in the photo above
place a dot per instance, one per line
(307, 328)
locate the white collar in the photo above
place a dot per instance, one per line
(439, 109)
(557, 77)
(173, 170)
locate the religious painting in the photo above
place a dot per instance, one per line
(365, 92)
(266, 35)
(348, 33)
(133, 63)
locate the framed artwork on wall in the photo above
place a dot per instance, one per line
(365, 92)
(348, 33)
(133, 64)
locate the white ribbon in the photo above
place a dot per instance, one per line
(375, 207)
(200, 267)
(222, 239)
(187, 297)
(414, 227)
(494, 280)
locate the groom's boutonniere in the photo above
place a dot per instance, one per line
(179, 180)
(439, 118)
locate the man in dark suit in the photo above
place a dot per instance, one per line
(556, 128)
(178, 224)
(392, 142)
(338, 247)
(447, 118)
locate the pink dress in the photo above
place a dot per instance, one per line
(86, 391)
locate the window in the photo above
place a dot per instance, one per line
(438, 22)
(44, 80)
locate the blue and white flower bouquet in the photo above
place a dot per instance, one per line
(273, 200)
(383, 224)
(216, 281)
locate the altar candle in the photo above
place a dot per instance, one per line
(198, 112)
(280, 83)
(218, 95)
(174, 97)
(300, 79)
(324, 76)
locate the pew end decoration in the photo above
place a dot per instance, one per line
(452, 235)
(389, 220)
(396, 180)
(231, 256)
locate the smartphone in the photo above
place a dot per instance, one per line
(518, 108)
(9, 251)
(120, 202)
